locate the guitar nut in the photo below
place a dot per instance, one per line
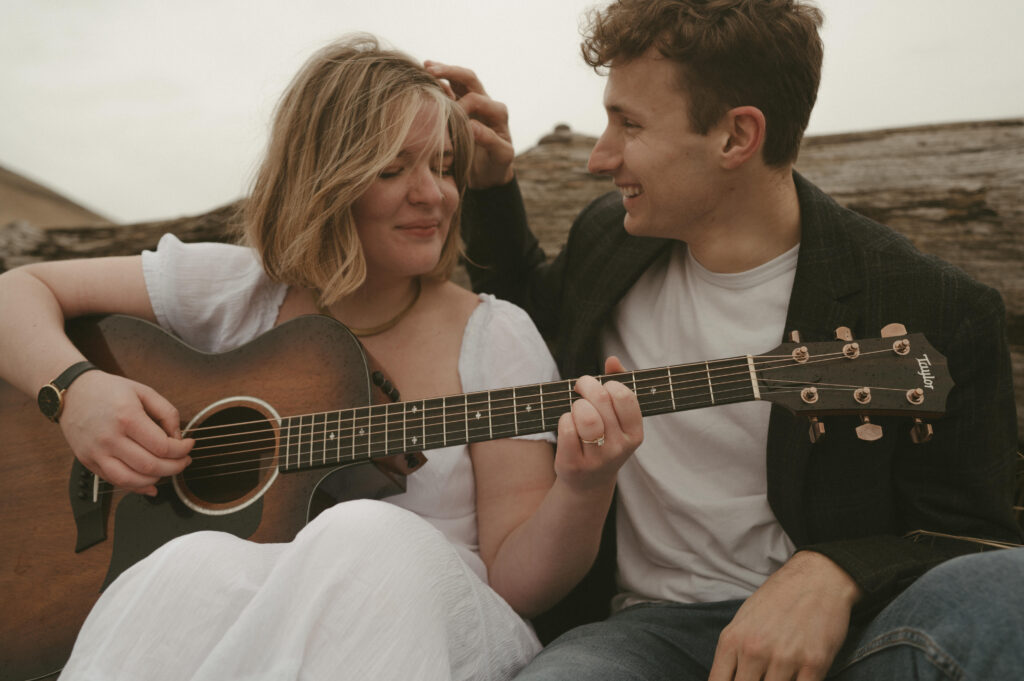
(862, 395)
(901, 347)
(851, 350)
(801, 354)
(915, 396)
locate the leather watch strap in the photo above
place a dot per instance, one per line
(68, 376)
(51, 396)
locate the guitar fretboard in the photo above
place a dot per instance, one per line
(364, 433)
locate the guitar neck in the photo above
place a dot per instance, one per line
(363, 433)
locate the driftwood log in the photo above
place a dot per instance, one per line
(956, 190)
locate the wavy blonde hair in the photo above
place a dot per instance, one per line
(340, 123)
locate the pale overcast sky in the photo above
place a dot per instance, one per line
(147, 109)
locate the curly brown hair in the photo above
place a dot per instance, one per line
(761, 53)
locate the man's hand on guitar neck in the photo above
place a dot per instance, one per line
(124, 432)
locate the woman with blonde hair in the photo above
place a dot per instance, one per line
(353, 214)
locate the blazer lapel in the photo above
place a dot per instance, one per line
(600, 280)
(829, 277)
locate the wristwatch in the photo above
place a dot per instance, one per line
(51, 395)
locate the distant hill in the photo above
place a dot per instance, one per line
(22, 199)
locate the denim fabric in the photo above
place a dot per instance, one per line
(963, 620)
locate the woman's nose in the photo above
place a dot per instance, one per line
(425, 186)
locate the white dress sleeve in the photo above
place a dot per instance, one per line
(501, 348)
(213, 296)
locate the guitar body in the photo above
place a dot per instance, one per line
(52, 506)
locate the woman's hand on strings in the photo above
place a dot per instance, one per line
(600, 433)
(123, 431)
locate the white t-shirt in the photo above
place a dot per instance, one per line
(693, 521)
(217, 296)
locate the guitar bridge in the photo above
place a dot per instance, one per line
(90, 503)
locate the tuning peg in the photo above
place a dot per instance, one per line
(868, 431)
(843, 333)
(920, 432)
(817, 429)
(890, 330)
(794, 336)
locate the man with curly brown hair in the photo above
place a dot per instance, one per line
(745, 551)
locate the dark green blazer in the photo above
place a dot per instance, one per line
(852, 500)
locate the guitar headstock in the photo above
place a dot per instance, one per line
(896, 374)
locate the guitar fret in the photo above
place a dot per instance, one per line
(502, 420)
(711, 388)
(360, 435)
(391, 416)
(557, 398)
(433, 427)
(306, 443)
(444, 424)
(321, 440)
(346, 433)
(369, 432)
(334, 423)
(671, 387)
(477, 409)
(455, 421)
(528, 407)
(414, 427)
(515, 413)
(287, 443)
(649, 392)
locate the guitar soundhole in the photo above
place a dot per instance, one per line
(234, 453)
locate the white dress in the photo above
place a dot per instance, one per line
(369, 589)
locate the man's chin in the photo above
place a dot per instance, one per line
(633, 225)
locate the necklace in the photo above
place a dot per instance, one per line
(379, 328)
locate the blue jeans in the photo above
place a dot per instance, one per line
(962, 620)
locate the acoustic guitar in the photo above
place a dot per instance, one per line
(283, 424)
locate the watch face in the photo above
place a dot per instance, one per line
(49, 400)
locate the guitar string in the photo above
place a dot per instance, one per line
(780, 361)
(654, 377)
(270, 462)
(555, 401)
(323, 437)
(427, 417)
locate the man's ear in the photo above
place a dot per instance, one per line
(744, 130)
